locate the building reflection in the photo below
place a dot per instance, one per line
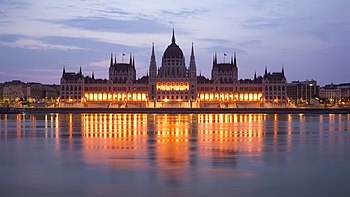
(222, 137)
(119, 140)
(172, 142)
(174, 145)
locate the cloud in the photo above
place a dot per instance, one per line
(184, 13)
(37, 77)
(260, 22)
(114, 25)
(37, 45)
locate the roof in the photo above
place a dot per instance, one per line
(223, 67)
(121, 66)
(275, 76)
(173, 50)
(72, 76)
(202, 80)
(142, 80)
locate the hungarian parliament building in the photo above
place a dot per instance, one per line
(173, 85)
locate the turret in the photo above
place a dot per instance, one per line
(192, 67)
(193, 75)
(153, 65)
(111, 64)
(235, 61)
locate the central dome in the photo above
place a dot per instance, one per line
(173, 50)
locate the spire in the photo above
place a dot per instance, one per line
(173, 38)
(255, 75)
(192, 68)
(231, 59)
(93, 75)
(130, 62)
(133, 62)
(111, 64)
(265, 70)
(80, 72)
(115, 59)
(153, 65)
(283, 70)
(192, 51)
(215, 58)
(64, 70)
(153, 55)
(235, 60)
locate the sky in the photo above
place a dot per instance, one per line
(309, 38)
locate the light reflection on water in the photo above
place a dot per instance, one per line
(174, 155)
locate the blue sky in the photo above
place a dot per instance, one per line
(309, 38)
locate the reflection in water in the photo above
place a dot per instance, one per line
(175, 149)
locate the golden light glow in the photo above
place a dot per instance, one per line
(250, 97)
(173, 86)
(115, 97)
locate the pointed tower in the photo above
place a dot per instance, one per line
(64, 70)
(111, 63)
(80, 72)
(115, 59)
(153, 66)
(255, 75)
(93, 75)
(235, 60)
(235, 68)
(192, 67)
(193, 76)
(152, 79)
(215, 59)
(265, 70)
(215, 69)
(130, 61)
(173, 38)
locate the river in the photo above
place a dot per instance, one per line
(101, 154)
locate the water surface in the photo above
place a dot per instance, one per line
(174, 155)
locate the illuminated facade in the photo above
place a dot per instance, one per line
(173, 85)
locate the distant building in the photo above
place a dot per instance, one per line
(173, 84)
(16, 89)
(303, 92)
(13, 90)
(336, 92)
(1, 90)
(34, 90)
(52, 91)
(275, 90)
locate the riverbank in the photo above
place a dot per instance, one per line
(180, 110)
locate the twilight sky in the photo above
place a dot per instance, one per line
(310, 38)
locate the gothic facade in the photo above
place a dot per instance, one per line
(173, 85)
